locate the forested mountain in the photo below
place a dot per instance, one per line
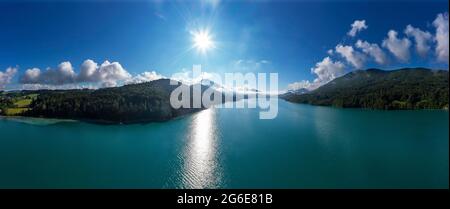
(407, 88)
(127, 104)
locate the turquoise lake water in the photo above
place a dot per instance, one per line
(303, 147)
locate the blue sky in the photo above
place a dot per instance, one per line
(250, 36)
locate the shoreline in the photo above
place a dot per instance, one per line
(365, 108)
(36, 120)
(47, 120)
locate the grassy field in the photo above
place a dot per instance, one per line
(20, 104)
(23, 103)
(14, 111)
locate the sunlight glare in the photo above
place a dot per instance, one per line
(203, 41)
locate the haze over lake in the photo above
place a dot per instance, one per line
(304, 147)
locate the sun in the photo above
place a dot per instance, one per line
(203, 41)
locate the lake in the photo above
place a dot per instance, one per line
(303, 147)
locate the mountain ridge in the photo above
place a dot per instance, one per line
(132, 103)
(404, 88)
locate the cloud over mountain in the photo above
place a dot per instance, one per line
(107, 74)
(304, 84)
(398, 47)
(327, 70)
(63, 74)
(373, 50)
(351, 56)
(144, 77)
(422, 39)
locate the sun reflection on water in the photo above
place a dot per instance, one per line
(201, 167)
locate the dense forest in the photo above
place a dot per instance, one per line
(407, 88)
(132, 103)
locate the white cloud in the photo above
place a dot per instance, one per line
(421, 37)
(353, 57)
(144, 77)
(63, 74)
(107, 74)
(5, 77)
(327, 70)
(31, 76)
(37, 86)
(108, 84)
(398, 47)
(357, 26)
(441, 24)
(372, 50)
(88, 71)
(304, 84)
(111, 72)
